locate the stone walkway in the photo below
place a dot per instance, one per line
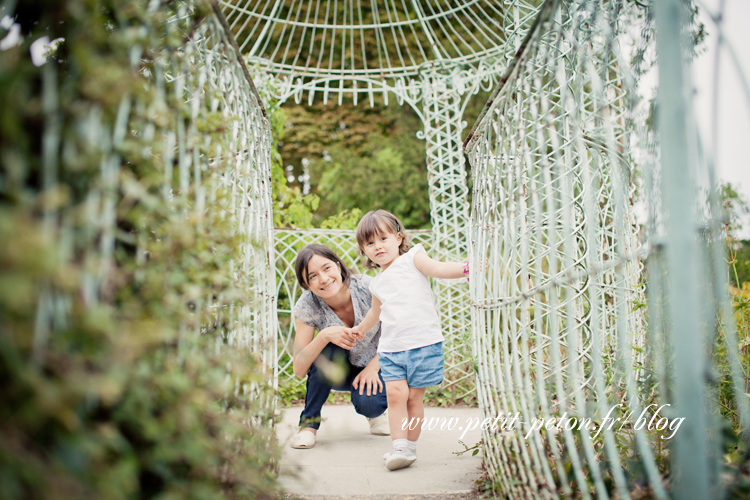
(347, 461)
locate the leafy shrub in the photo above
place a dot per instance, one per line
(120, 373)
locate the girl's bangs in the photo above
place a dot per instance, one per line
(371, 227)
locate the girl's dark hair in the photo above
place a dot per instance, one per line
(377, 222)
(307, 253)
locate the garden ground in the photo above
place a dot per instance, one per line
(347, 462)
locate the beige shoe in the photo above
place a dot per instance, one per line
(379, 425)
(303, 439)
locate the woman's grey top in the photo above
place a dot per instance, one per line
(313, 311)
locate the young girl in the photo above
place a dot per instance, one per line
(411, 342)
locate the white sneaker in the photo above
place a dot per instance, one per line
(388, 454)
(399, 459)
(303, 439)
(379, 425)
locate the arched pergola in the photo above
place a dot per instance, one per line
(556, 324)
(558, 319)
(432, 56)
(562, 331)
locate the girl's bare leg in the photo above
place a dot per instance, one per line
(398, 394)
(415, 410)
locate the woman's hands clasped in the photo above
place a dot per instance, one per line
(341, 336)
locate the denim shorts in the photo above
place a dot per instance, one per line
(420, 367)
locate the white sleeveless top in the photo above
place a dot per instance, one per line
(408, 318)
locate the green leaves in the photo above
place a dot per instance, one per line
(359, 158)
(119, 283)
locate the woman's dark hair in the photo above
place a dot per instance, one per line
(307, 253)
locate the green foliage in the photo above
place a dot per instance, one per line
(117, 373)
(380, 180)
(348, 219)
(291, 391)
(732, 442)
(734, 205)
(360, 158)
(290, 207)
(741, 259)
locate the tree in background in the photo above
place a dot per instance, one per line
(291, 208)
(360, 158)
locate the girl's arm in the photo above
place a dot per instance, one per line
(437, 269)
(369, 321)
(307, 348)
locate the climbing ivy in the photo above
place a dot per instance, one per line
(118, 377)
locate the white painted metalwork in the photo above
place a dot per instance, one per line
(557, 314)
(362, 47)
(229, 172)
(553, 314)
(443, 124)
(431, 56)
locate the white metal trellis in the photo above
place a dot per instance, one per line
(430, 55)
(449, 215)
(361, 48)
(214, 80)
(551, 216)
(558, 318)
(551, 207)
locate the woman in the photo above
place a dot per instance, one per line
(335, 300)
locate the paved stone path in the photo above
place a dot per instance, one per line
(347, 461)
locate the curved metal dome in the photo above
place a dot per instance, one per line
(356, 46)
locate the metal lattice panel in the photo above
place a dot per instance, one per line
(554, 325)
(362, 47)
(558, 313)
(443, 124)
(209, 73)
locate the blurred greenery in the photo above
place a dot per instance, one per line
(360, 158)
(735, 207)
(118, 379)
(741, 254)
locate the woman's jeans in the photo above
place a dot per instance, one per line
(318, 389)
